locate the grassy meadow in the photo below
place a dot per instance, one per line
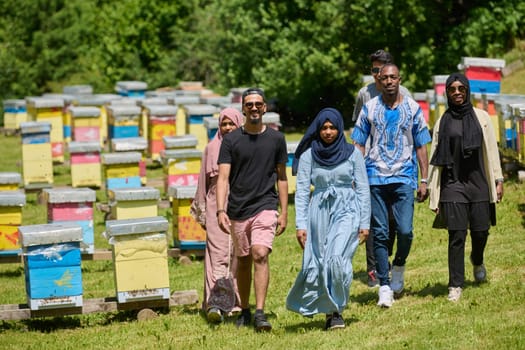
(488, 316)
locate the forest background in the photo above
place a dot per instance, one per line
(306, 54)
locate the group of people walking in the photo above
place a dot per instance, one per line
(346, 194)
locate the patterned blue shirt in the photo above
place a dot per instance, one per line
(394, 136)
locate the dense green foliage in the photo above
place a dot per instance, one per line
(305, 53)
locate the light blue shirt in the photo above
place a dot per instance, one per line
(394, 134)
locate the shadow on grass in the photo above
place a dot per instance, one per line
(521, 208)
(48, 325)
(309, 324)
(16, 272)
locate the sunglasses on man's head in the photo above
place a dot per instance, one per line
(250, 105)
(375, 70)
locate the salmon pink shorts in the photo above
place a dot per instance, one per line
(257, 230)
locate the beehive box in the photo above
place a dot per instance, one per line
(86, 123)
(123, 121)
(133, 203)
(86, 170)
(121, 169)
(180, 101)
(15, 112)
(37, 161)
(138, 144)
(10, 181)
(421, 99)
(439, 84)
(52, 265)
(100, 101)
(144, 103)
(272, 120)
(49, 110)
(518, 112)
(161, 122)
(178, 142)
(66, 118)
(11, 204)
(195, 115)
(81, 89)
(484, 74)
(507, 123)
(73, 205)
(131, 88)
(292, 180)
(212, 125)
(187, 233)
(181, 167)
(139, 248)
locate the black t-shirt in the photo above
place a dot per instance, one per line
(465, 181)
(253, 160)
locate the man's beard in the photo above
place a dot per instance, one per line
(255, 121)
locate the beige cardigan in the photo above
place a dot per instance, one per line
(491, 161)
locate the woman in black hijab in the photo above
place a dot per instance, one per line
(465, 180)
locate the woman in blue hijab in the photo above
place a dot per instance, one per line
(331, 220)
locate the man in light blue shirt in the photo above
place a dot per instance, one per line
(398, 135)
(377, 59)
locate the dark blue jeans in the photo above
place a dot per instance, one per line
(401, 198)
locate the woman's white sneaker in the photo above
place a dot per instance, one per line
(454, 293)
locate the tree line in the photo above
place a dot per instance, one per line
(306, 54)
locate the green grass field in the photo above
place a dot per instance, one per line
(488, 316)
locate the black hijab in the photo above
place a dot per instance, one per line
(471, 137)
(327, 155)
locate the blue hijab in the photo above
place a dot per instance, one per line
(326, 155)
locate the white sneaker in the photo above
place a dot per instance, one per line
(398, 279)
(454, 293)
(386, 297)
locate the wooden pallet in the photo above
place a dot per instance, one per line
(106, 254)
(15, 312)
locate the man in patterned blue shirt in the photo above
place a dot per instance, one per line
(398, 137)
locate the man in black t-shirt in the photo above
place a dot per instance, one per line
(251, 161)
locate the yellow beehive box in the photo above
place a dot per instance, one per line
(133, 203)
(37, 163)
(86, 175)
(100, 101)
(140, 248)
(11, 203)
(292, 180)
(9, 238)
(187, 233)
(85, 164)
(15, 112)
(10, 181)
(181, 167)
(121, 170)
(181, 101)
(195, 115)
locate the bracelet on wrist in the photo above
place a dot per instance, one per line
(424, 181)
(220, 211)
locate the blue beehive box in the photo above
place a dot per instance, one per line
(35, 132)
(131, 88)
(51, 255)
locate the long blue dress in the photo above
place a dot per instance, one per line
(332, 216)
